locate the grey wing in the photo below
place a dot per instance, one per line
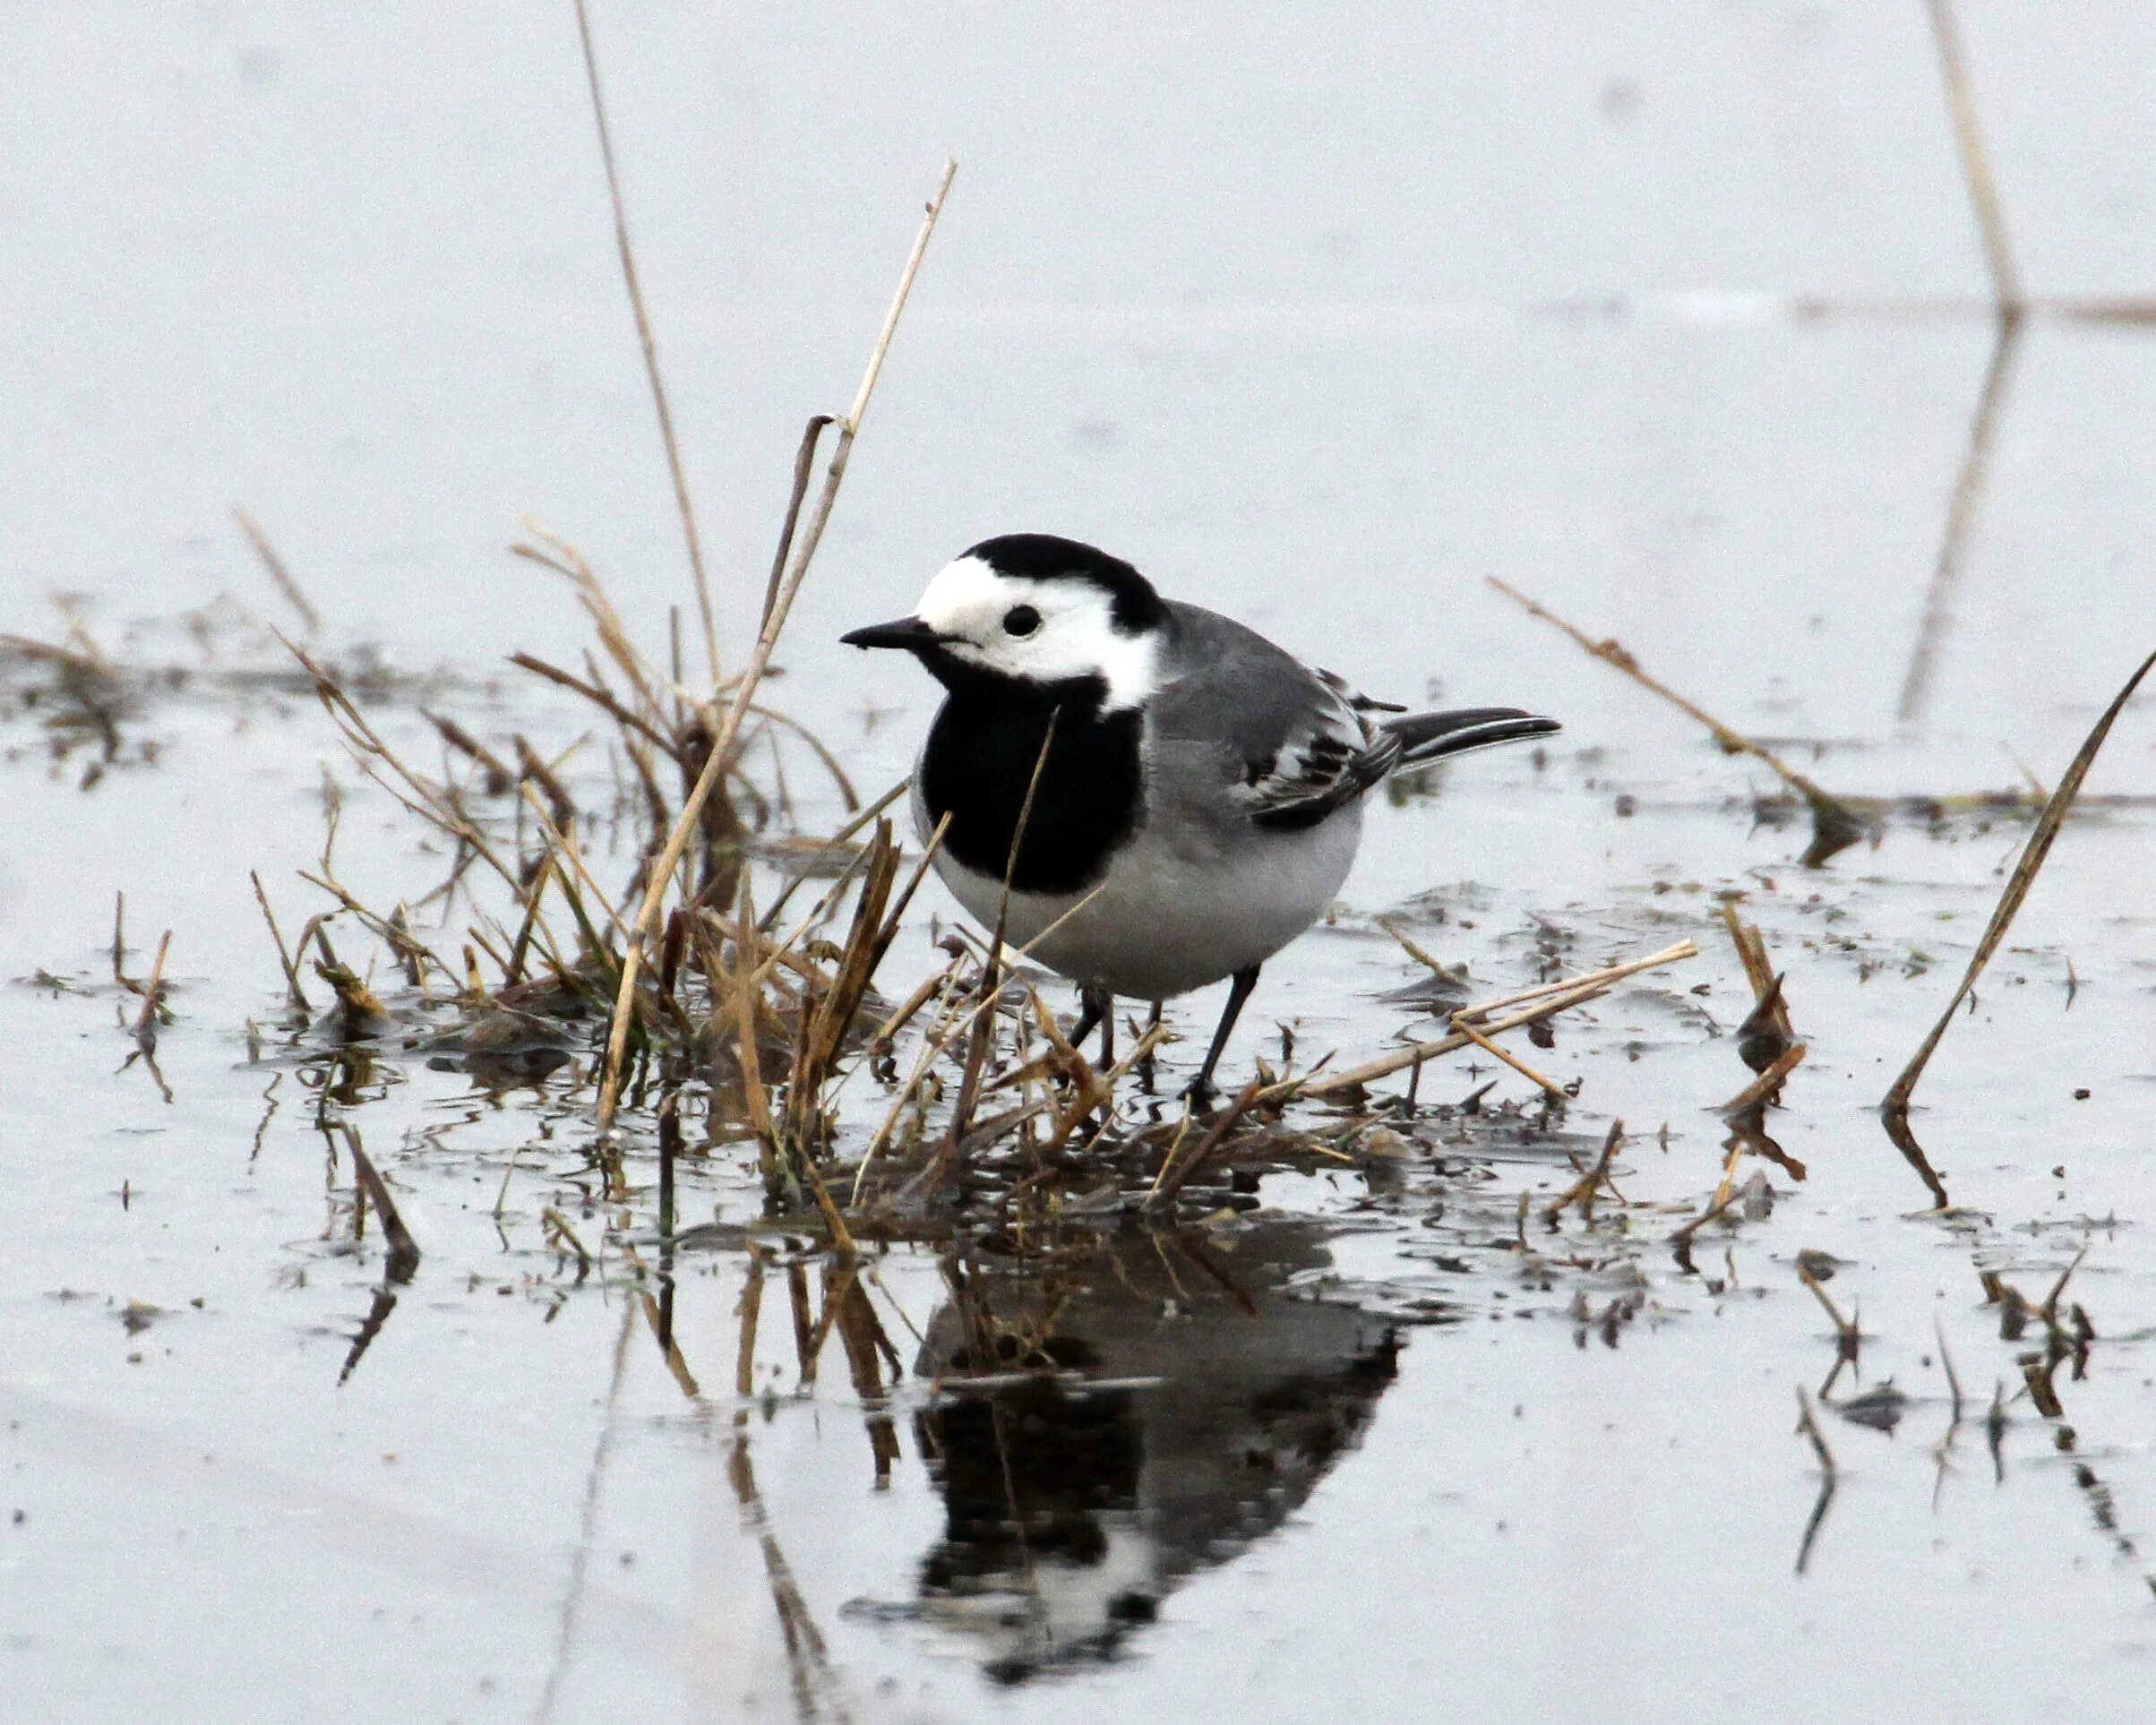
(1285, 744)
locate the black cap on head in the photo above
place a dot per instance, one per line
(1043, 557)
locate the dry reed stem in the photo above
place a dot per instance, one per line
(277, 572)
(602, 697)
(831, 847)
(904, 1014)
(1976, 164)
(677, 842)
(499, 776)
(2049, 1311)
(1457, 978)
(558, 1232)
(649, 347)
(1758, 971)
(557, 554)
(822, 1033)
(2047, 830)
(1155, 1034)
(1826, 807)
(425, 799)
(1727, 1188)
(1555, 1091)
(976, 1052)
(284, 956)
(1549, 998)
(804, 468)
(400, 941)
(751, 1309)
(86, 662)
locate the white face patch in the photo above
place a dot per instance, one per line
(970, 606)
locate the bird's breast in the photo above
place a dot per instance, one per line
(981, 757)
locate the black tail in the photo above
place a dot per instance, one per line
(1437, 737)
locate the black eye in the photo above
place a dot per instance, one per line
(1021, 620)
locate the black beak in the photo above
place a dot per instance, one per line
(908, 632)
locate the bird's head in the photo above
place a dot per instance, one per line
(1031, 609)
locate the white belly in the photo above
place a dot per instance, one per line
(1169, 919)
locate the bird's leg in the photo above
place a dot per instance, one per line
(1097, 1006)
(1145, 1066)
(1200, 1090)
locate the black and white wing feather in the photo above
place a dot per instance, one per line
(1295, 743)
(1323, 763)
(1287, 744)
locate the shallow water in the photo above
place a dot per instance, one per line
(1374, 1446)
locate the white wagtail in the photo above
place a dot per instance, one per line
(1204, 787)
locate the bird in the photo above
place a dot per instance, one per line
(1147, 796)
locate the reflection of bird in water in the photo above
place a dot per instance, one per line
(1071, 1511)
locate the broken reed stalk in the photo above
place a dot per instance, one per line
(1766, 1033)
(1895, 1106)
(649, 347)
(1582, 1190)
(1836, 826)
(1457, 978)
(685, 824)
(1847, 1335)
(1555, 1092)
(403, 1258)
(153, 997)
(804, 468)
(1763, 1088)
(1544, 1001)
